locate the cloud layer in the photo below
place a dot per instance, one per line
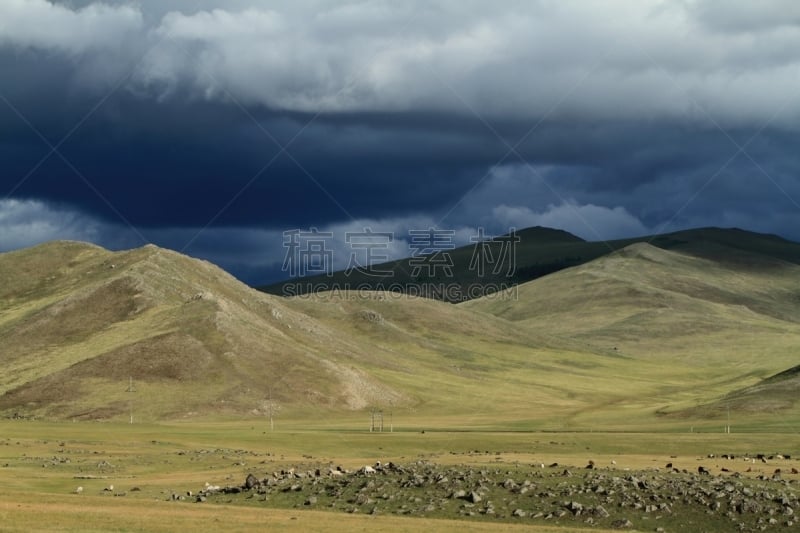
(607, 119)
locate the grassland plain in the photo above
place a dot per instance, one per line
(129, 474)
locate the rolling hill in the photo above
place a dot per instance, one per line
(612, 342)
(78, 322)
(728, 317)
(775, 394)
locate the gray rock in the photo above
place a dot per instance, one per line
(575, 507)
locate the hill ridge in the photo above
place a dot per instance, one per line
(537, 255)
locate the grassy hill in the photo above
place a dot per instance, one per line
(725, 317)
(538, 252)
(612, 293)
(778, 394)
(607, 344)
(77, 322)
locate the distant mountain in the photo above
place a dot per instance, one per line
(478, 269)
(493, 265)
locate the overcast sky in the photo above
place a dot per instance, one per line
(213, 127)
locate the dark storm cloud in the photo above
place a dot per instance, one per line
(624, 117)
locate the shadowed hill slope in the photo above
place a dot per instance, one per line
(538, 252)
(776, 394)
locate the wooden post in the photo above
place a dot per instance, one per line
(130, 399)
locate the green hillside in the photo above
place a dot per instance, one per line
(78, 322)
(727, 319)
(778, 394)
(613, 343)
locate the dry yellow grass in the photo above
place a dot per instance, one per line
(165, 458)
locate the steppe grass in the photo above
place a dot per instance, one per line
(42, 464)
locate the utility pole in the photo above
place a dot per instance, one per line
(271, 407)
(271, 412)
(376, 420)
(729, 419)
(130, 399)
